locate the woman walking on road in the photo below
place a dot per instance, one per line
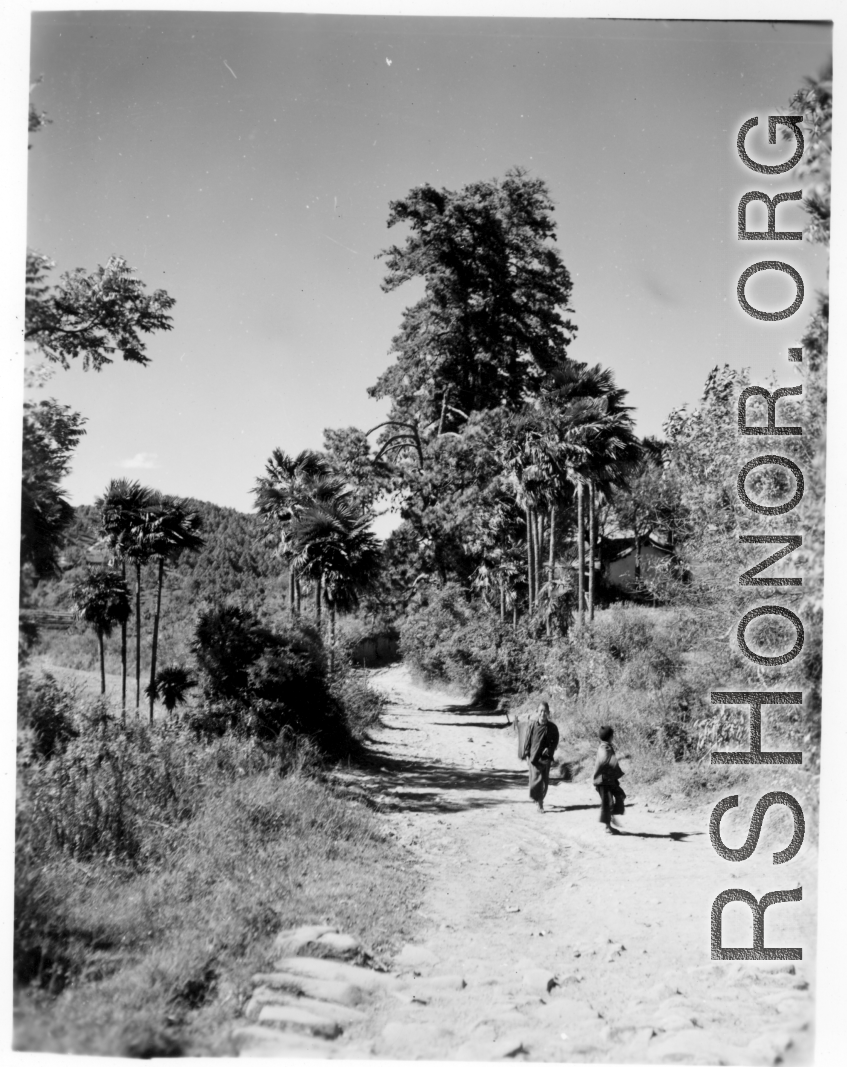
(607, 773)
(541, 744)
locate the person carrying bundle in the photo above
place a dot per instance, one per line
(541, 741)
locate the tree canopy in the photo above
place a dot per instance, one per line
(490, 326)
(91, 316)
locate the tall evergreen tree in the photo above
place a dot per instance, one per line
(490, 326)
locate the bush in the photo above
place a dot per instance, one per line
(45, 715)
(448, 638)
(264, 682)
(362, 705)
(227, 642)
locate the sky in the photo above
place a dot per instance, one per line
(246, 162)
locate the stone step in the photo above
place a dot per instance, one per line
(320, 989)
(339, 1013)
(333, 971)
(294, 1018)
(290, 942)
(262, 1041)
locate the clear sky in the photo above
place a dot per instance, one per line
(245, 162)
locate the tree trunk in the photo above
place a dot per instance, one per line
(580, 541)
(332, 637)
(123, 655)
(297, 593)
(529, 557)
(539, 554)
(137, 638)
(502, 602)
(552, 564)
(515, 616)
(318, 603)
(102, 663)
(637, 561)
(592, 537)
(291, 607)
(156, 634)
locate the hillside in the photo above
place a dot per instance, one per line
(234, 565)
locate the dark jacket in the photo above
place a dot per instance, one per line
(543, 740)
(607, 770)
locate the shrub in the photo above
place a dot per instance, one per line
(362, 706)
(272, 684)
(227, 642)
(45, 714)
(448, 638)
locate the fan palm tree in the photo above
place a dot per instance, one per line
(335, 548)
(101, 599)
(169, 529)
(290, 486)
(597, 442)
(170, 686)
(121, 508)
(533, 457)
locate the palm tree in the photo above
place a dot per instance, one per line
(169, 529)
(596, 442)
(102, 599)
(335, 548)
(534, 460)
(121, 508)
(290, 486)
(170, 686)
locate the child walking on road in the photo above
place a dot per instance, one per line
(607, 773)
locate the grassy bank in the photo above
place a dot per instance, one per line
(154, 867)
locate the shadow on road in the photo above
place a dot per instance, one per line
(437, 787)
(477, 725)
(679, 836)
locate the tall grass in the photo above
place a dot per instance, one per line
(153, 867)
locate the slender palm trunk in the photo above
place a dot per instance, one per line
(318, 603)
(502, 602)
(297, 594)
(123, 655)
(102, 663)
(332, 637)
(592, 537)
(156, 634)
(530, 562)
(551, 566)
(637, 560)
(539, 553)
(580, 541)
(514, 616)
(552, 542)
(137, 637)
(291, 609)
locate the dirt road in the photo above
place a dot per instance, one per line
(573, 945)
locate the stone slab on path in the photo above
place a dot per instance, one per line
(262, 1041)
(290, 942)
(320, 989)
(291, 1017)
(323, 941)
(333, 1011)
(333, 971)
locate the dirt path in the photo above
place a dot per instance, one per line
(621, 923)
